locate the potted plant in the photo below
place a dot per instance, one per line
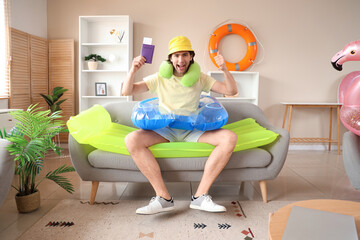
(53, 100)
(93, 61)
(30, 140)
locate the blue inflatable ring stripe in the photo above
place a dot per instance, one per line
(210, 115)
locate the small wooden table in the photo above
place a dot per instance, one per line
(278, 220)
(337, 106)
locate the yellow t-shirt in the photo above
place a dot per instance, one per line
(175, 97)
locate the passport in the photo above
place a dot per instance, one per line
(147, 51)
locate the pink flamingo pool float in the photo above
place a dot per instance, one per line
(349, 88)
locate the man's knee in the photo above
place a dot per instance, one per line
(134, 140)
(226, 140)
(130, 140)
(221, 137)
(142, 139)
(231, 138)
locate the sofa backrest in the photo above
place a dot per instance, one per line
(240, 110)
(120, 112)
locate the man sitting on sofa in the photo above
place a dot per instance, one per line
(175, 96)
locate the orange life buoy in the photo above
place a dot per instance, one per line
(242, 31)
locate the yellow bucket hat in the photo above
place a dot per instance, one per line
(179, 43)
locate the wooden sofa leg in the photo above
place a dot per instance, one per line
(94, 188)
(263, 190)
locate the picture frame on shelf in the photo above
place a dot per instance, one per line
(100, 89)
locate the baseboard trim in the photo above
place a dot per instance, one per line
(318, 147)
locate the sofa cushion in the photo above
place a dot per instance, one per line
(256, 158)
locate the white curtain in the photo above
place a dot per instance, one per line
(5, 48)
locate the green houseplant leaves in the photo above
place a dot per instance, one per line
(30, 140)
(95, 57)
(53, 100)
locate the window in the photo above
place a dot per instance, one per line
(4, 49)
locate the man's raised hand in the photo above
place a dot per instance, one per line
(137, 63)
(220, 61)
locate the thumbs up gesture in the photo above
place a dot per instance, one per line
(220, 61)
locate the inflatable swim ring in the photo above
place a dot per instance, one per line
(210, 115)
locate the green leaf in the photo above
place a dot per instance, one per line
(54, 108)
(95, 57)
(61, 101)
(47, 99)
(30, 140)
(60, 180)
(58, 91)
(53, 99)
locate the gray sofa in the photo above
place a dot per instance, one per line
(351, 157)
(259, 164)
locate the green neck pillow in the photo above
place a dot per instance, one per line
(189, 78)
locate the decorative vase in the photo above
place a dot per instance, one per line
(92, 65)
(28, 203)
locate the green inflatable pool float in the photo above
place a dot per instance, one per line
(94, 127)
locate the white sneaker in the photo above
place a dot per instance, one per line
(157, 205)
(205, 203)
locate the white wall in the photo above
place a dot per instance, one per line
(29, 16)
(299, 36)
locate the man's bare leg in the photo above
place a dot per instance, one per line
(224, 141)
(138, 144)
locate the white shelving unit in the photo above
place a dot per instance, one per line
(95, 37)
(247, 84)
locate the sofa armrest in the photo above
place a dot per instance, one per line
(279, 148)
(351, 156)
(79, 157)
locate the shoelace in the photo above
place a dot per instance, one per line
(208, 198)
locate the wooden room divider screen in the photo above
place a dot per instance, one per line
(38, 65)
(61, 73)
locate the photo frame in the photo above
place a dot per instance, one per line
(100, 89)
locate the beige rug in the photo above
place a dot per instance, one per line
(75, 219)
